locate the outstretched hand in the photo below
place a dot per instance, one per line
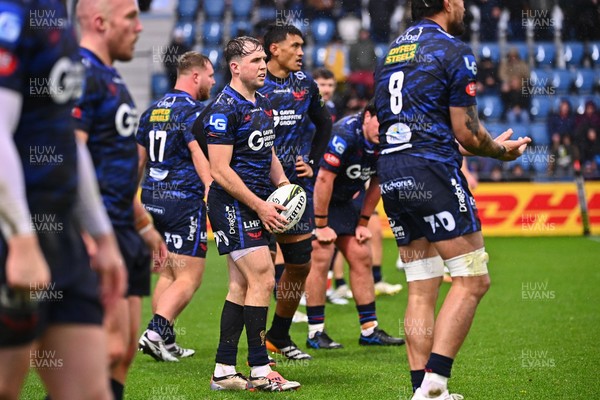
(514, 148)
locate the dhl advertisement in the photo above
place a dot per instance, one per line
(531, 209)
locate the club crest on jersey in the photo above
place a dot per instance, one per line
(299, 96)
(126, 120)
(300, 75)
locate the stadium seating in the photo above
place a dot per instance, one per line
(348, 28)
(214, 54)
(187, 10)
(585, 79)
(562, 80)
(573, 53)
(593, 51)
(540, 107)
(212, 32)
(214, 10)
(490, 108)
(188, 31)
(267, 13)
(323, 30)
(522, 48)
(159, 85)
(538, 132)
(544, 53)
(491, 50)
(236, 28)
(318, 55)
(241, 9)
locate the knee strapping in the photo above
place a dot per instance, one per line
(426, 268)
(297, 252)
(470, 264)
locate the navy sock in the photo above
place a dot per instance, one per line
(366, 313)
(439, 364)
(316, 314)
(279, 269)
(280, 328)
(170, 334)
(339, 282)
(160, 325)
(255, 319)
(117, 389)
(377, 277)
(232, 325)
(416, 378)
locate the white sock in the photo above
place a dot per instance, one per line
(314, 328)
(369, 331)
(224, 370)
(260, 370)
(434, 385)
(153, 335)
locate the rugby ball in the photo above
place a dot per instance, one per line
(293, 197)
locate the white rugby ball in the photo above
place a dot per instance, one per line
(293, 197)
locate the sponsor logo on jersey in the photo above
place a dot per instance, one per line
(300, 75)
(218, 122)
(356, 171)
(299, 96)
(460, 195)
(471, 89)
(259, 139)
(269, 113)
(221, 237)
(401, 184)
(193, 227)
(10, 27)
(251, 225)
(231, 216)
(338, 144)
(255, 235)
(286, 117)
(126, 120)
(405, 52)
(160, 115)
(166, 102)
(471, 64)
(8, 62)
(408, 36)
(332, 159)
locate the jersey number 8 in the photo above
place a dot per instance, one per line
(395, 89)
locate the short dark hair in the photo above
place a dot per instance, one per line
(277, 33)
(237, 47)
(370, 107)
(191, 59)
(323, 73)
(425, 8)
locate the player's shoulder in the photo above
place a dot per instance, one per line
(348, 128)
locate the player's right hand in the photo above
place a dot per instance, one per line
(26, 266)
(109, 265)
(325, 235)
(270, 217)
(515, 148)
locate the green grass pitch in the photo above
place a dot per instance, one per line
(536, 336)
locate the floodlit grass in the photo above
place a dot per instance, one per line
(535, 336)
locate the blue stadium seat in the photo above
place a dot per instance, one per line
(577, 103)
(159, 85)
(212, 32)
(585, 78)
(188, 32)
(236, 28)
(214, 10)
(241, 9)
(267, 13)
(214, 54)
(540, 107)
(539, 158)
(562, 80)
(540, 78)
(318, 55)
(594, 53)
(494, 128)
(323, 30)
(544, 53)
(187, 10)
(490, 107)
(573, 53)
(381, 50)
(491, 50)
(538, 132)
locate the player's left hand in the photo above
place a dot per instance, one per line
(157, 246)
(325, 235)
(303, 169)
(362, 234)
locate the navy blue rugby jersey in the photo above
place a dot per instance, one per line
(424, 72)
(165, 131)
(107, 113)
(351, 156)
(232, 120)
(39, 60)
(293, 99)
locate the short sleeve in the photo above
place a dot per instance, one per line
(338, 147)
(219, 125)
(84, 110)
(462, 72)
(12, 65)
